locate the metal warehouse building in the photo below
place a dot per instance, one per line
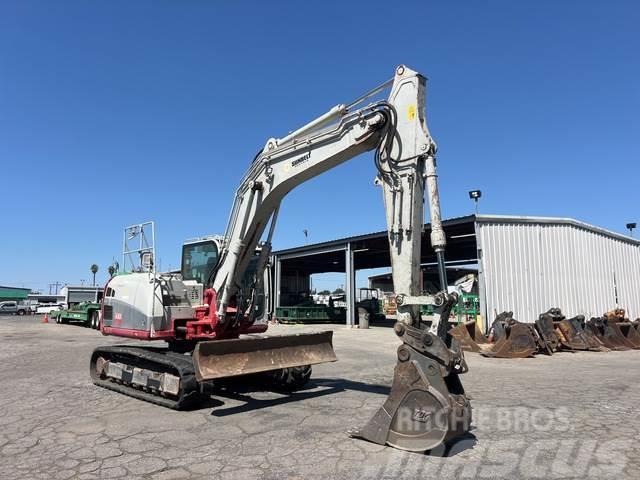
(525, 264)
(13, 293)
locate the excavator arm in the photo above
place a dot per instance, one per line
(280, 167)
(405, 158)
(427, 404)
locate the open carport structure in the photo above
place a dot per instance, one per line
(294, 266)
(525, 264)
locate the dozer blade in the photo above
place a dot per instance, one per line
(255, 354)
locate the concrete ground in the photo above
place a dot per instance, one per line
(566, 416)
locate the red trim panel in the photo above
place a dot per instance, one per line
(143, 334)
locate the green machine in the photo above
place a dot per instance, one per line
(87, 313)
(466, 309)
(310, 312)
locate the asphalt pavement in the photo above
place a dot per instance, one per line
(572, 415)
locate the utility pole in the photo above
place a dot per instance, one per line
(57, 285)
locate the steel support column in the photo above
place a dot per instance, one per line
(350, 285)
(277, 280)
(482, 293)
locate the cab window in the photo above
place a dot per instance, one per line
(199, 260)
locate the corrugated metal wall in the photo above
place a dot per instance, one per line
(530, 267)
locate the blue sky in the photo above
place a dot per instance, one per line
(114, 113)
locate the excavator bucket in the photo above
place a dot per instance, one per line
(422, 410)
(609, 336)
(594, 343)
(468, 336)
(627, 331)
(546, 329)
(518, 342)
(427, 405)
(571, 337)
(513, 339)
(254, 354)
(623, 329)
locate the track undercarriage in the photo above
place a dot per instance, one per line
(154, 375)
(174, 379)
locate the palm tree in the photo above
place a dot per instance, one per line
(111, 270)
(94, 270)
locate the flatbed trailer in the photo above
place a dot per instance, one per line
(87, 313)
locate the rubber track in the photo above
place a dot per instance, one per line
(164, 360)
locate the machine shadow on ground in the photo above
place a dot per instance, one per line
(243, 392)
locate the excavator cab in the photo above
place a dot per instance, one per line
(199, 259)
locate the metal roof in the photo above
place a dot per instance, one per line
(83, 287)
(555, 221)
(14, 293)
(366, 236)
(485, 218)
(15, 288)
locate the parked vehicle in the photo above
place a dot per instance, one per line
(15, 308)
(87, 313)
(49, 307)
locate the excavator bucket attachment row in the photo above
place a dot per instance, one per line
(255, 354)
(616, 331)
(567, 333)
(512, 339)
(552, 332)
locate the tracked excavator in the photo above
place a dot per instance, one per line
(211, 313)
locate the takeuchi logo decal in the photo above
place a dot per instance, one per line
(301, 160)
